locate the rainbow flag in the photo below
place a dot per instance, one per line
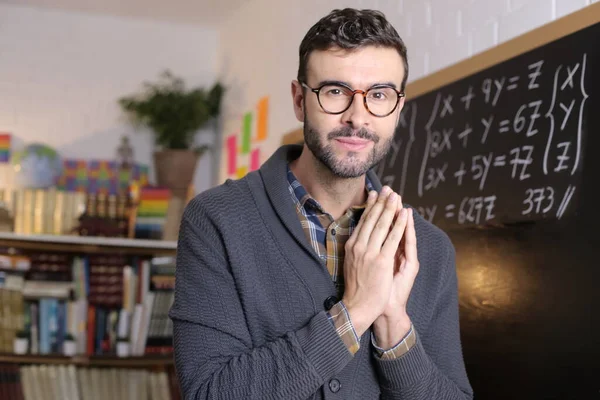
(4, 147)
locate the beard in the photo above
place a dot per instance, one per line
(349, 165)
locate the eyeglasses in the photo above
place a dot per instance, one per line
(336, 98)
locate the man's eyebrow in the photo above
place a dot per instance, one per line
(333, 82)
(392, 84)
(336, 82)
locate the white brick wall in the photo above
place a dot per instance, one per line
(522, 16)
(438, 33)
(61, 74)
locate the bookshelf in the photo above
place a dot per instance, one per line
(91, 361)
(109, 281)
(88, 244)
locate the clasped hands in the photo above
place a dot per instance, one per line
(380, 266)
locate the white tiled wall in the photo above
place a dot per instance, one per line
(259, 43)
(61, 74)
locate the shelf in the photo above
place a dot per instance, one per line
(92, 361)
(88, 244)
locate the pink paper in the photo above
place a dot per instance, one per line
(232, 154)
(255, 159)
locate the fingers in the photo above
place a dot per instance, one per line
(398, 209)
(370, 202)
(400, 206)
(370, 217)
(410, 240)
(384, 224)
(390, 247)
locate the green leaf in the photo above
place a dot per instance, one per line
(173, 113)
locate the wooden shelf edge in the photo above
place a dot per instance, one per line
(92, 361)
(88, 244)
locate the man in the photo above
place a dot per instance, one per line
(292, 283)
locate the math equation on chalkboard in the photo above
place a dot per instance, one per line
(505, 144)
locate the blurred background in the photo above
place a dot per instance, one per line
(92, 99)
(65, 63)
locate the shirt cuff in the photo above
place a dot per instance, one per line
(403, 347)
(339, 317)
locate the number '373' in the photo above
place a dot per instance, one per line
(538, 200)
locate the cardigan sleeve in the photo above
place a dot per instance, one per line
(214, 354)
(439, 372)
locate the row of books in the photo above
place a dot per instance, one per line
(141, 213)
(68, 382)
(55, 212)
(43, 211)
(97, 301)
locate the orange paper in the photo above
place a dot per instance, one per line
(261, 118)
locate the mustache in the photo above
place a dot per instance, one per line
(347, 131)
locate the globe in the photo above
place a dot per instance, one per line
(37, 166)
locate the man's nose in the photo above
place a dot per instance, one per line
(356, 115)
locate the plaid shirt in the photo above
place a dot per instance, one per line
(328, 237)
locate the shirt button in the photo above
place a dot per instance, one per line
(335, 385)
(333, 232)
(330, 302)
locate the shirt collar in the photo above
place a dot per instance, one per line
(304, 199)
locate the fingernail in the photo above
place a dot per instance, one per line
(385, 190)
(372, 194)
(392, 197)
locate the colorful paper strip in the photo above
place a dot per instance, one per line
(255, 159)
(246, 133)
(242, 171)
(232, 154)
(262, 118)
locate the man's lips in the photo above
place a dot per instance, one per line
(353, 143)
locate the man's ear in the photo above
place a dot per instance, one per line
(298, 100)
(399, 110)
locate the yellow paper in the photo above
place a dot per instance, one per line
(242, 171)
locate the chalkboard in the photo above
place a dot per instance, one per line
(504, 159)
(505, 144)
(525, 232)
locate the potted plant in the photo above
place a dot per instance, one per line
(21, 342)
(69, 345)
(174, 114)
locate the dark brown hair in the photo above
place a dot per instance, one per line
(351, 29)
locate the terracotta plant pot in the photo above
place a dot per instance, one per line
(175, 169)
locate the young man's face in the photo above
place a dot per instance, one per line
(352, 142)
